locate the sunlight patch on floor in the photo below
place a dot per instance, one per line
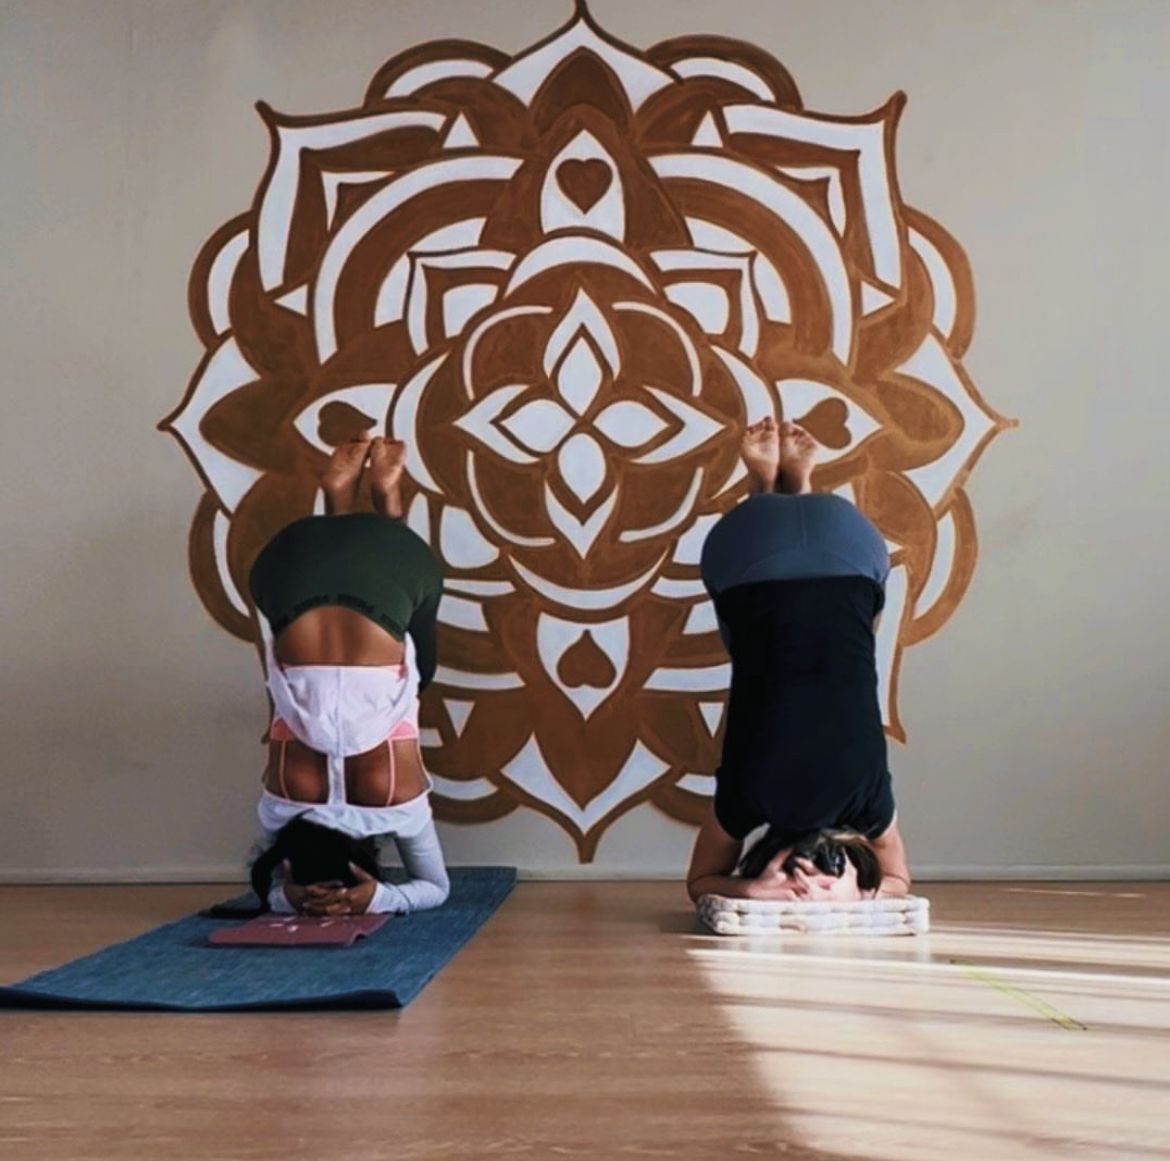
(966, 1043)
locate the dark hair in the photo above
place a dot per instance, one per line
(315, 854)
(826, 849)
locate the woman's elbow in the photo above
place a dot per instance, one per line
(436, 893)
(700, 886)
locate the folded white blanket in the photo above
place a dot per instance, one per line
(909, 915)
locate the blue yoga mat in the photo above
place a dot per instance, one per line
(173, 968)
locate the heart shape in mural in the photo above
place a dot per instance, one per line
(828, 423)
(584, 182)
(584, 664)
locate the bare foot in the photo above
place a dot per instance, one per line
(340, 481)
(760, 449)
(387, 460)
(798, 454)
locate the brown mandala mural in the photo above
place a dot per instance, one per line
(568, 279)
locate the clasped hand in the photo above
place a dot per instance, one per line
(804, 883)
(329, 899)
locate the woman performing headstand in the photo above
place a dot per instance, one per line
(798, 579)
(347, 604)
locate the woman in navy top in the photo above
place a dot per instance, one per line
(798, 581)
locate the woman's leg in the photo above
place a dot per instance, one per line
(332, 635)
(778, 457)
(760, 449)
(294, 771)
(389, 774)
(341, 478)
(363, 465)
(798, 454)
(387, 461)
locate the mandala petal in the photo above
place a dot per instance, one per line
(465, 790)
(404, 75)
(390, 302)
(699, 679)
(951, 571)
(581, 463)
(405, 421)
(212, 276)
(710, 300)
(224, 372)
(292, 142)
(866, 149)
(923, 424)
(801, 398)
(583, 190)
(581, 534)
(787, 210)
(932, 364)
(448, 289)
(575, 252)
(687, 375)
(697, 429)
(462, 544)
(586, 175)
(689, 548)
(727, 70)
(721, 58)
(766, 282)
(951, 283)
(904, 518)
(555, 637)
(587, 600)
(529, 71)
(529, 771)
(210, 573)
(369, 399)
(480, 422)
(494, 521)
(461, 613)
(578, 378)
(583, 318)
(629, 424)
(539, 425)
(708, 305)
(219, 280)
(442, 175)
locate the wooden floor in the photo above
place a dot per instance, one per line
(593, 1021)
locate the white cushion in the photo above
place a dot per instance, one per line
(909, 915)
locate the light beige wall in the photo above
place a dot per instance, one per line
(1035, 133)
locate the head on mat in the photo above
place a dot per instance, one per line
(314, 854)
(838, 865)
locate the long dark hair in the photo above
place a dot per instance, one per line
(826, 849)
(315, 854)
